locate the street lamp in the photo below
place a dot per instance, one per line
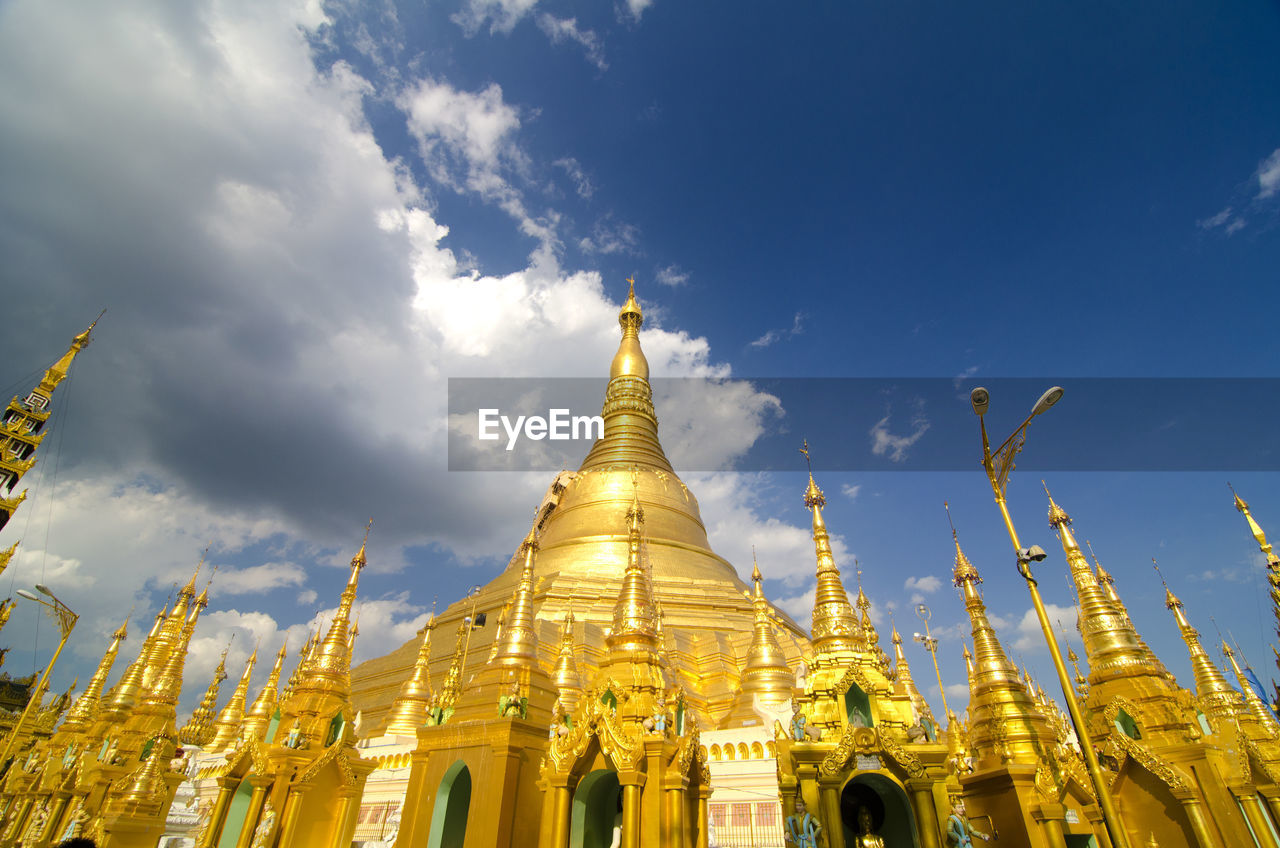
(931, 645)
(998, 466)
(66, 621)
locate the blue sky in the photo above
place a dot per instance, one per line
(303, 219)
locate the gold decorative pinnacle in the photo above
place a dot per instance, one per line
(813, 496)
(964, 572)
(1057, 515)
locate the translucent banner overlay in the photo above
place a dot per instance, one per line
(879, 424)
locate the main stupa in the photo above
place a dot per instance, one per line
(706, 613)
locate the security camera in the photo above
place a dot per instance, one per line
(1035, 553)
(980, 397)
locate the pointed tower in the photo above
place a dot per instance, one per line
(257, 721)
(199, 728)
(1260, 711)
(767, 680)
(1273, 560)
(565, 676)
(1006, 726)
(634, 648)
(80, 716)
(1219, 700)
(835, 627)
(122, 697)
(21, 429)
(903, 670)
(226, 729)
(409, 712)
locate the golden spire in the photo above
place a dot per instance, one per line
(1217, 697)
(86, 706)
(1111, 643)
(147, 788)
(409, 711)
(968, 665)
(1256, 705)
(300, 668)
(124, 695)
(630, 423)
(1273, 561)
(199, 728)
(167, 686)
(5, 556)
(226, 729)
(1005, 723)
(258, 719)
(567, 679)
(903, 670)
(1082, 683)
(329, 667)
(835, 628)
(6, 609)
(635, 622)
(21, 426)
(519, 640)
(766, 679)
(452, 686)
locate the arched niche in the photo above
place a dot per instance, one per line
(453, 803)
(891, 815)
(597, 805)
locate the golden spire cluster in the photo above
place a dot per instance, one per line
(226, 728)
(199, 728)
(257, 720)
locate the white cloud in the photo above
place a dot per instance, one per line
(307, 597)
(884, 442)
(958, 380)
(672, 276)
(772, 336)
(611, 236)
(1215, 220)
(851, 490)
(635, 8)
(260, 578)
(560, 30)
(1268, 175)
(927, 584)
(502, 15)
(581, 182)
(1030, 636)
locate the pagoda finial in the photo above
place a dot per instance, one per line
(258, 718)
(1251, 697)
(1273, 560)
(226, 729)
(964, 574)
(86, 706)
(1218, 698)
(767, 679)
(835, 627)
(519, 646)
(409, 711)
(635, 621)
(565, 676)
(199, 728)
(630, 423)
(24, 429)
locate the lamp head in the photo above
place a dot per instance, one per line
(28, 595)
(1035, 553)
(980, 398)
(1047, 400)
(923, 612)
(43, 589)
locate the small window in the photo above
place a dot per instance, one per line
(1126, 725)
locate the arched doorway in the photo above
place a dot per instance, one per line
(858, 707)
(449, 815)
(596, 804)
(237, 811)
(891, 815)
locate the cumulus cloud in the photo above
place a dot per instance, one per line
(1030, 637)
(610, 236)
(581, 182)
(501, 15)
(634, 8)
(776, 335)
(851, 490)
(885, 442)
(1262, 188)
(1268, 175)
(921, 586)
(560, 30)
(672, 276)
(285, 310)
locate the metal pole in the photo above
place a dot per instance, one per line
(13, 734)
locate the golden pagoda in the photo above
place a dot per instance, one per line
(1273, 560)
(1177, 768)
(1024, 779)
(855, 741)
(22, 430)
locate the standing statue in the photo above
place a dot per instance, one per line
(797, 723)
(266, 823)
(203, 819)
(868, 839)
(295, 739)
(960, 832)
(802, 829)
(802, 677)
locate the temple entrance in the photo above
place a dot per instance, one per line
(449, 815)
(237, 811)
(887, 806)
(597, 804)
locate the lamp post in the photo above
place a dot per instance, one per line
(472, 594)
(66, 620)
(998, 465)
(931, 645)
